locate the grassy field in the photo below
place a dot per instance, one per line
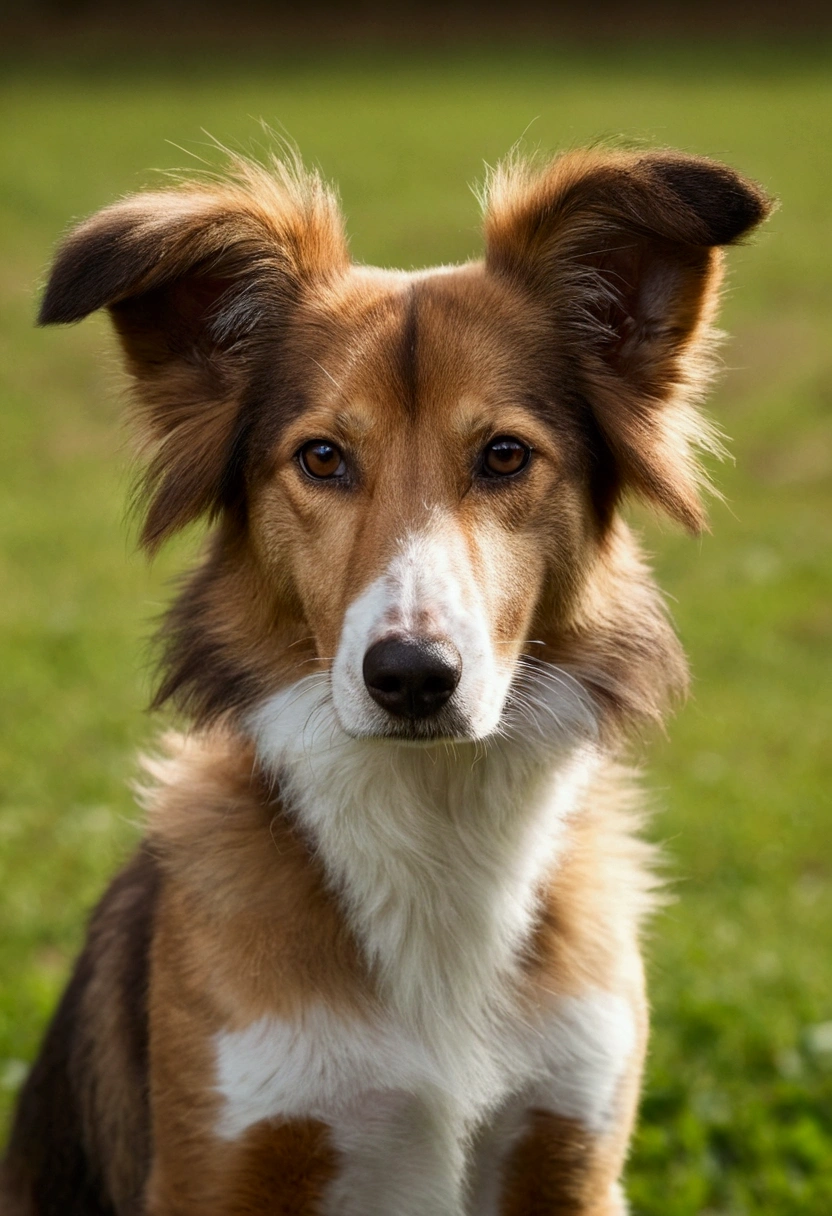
(737, 1115)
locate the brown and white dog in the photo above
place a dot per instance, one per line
(378, 954)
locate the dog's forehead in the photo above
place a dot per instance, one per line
(427, 345)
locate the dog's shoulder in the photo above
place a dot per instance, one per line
(607, 883)
(246, 913)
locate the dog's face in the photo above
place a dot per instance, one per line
(415, 475)
(423, 500)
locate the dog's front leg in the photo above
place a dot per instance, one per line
(398, 1154)
(537, 1163)
(387, 1154)
(557, 1146)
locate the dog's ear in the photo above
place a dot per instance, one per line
(623, 251)
(189, 275)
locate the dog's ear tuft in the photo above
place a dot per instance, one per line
(622, 251)
(728, 205)
(93, 267)
(188, 275)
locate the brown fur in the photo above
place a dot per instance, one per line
(557, 1167)
(587, 330)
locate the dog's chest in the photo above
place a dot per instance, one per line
(438, 871)
(567, 1055)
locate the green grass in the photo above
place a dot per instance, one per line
(737, 1115)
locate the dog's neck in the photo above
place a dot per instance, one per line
(437, 851)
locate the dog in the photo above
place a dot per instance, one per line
(378, 953)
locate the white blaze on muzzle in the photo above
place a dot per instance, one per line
(427, 594)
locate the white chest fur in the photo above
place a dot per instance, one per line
(437, 853)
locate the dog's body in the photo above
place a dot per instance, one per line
(378, 955)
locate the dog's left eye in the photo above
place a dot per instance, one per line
(321, 460)
(505, 456)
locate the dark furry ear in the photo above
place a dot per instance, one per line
(188, 275)
(622, 249)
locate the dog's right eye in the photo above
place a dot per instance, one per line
(321, 460)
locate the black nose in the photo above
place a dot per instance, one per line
(411, 677)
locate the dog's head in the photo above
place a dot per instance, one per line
(415, 476)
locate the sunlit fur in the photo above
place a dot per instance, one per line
(367, 963)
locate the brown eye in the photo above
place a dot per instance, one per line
(504, 456)
(321, 460)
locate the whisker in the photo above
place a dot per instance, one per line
(299, 642)
(327, 374)
(545, 696)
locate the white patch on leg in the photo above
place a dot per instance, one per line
(400, 1154)
(590, 1043)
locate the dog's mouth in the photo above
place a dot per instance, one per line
(447, 727)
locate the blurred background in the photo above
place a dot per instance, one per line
(402, 106)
